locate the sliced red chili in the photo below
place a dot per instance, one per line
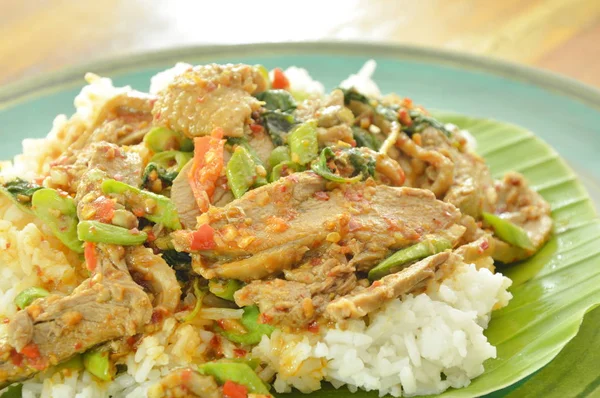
(234, 390)
(203, 238)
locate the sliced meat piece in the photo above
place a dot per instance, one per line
(262, 144)
(526, 208)
(119, 163)
(280, 301)
(305, 292)
(183, 198)
(285, 219)
(149, 269)
(387, 288)
(210, 96)
(185, 383)
(105, 307)
(123, 120)
(473, 188)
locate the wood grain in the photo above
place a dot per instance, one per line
(559, 35)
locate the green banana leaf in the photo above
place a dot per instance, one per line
(552, 291)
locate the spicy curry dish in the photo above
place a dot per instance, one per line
(238, 233)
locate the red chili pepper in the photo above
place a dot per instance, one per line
(404, 117)
(280, 81)
(89, 253)
(266, 319)
(203, 238)
(313, 327)
(238, 352)
(151, 236)
(206, 167)
(256, 128)
(186, 375)
(234, 390)
(138, 212)
(484, 246)
(31, 351)
(16, 358)
(105, 209)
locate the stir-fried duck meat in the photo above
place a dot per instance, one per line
(389, 287)
(306, 290)
(122, 120)
(185, 383)
(271, 228)
(118, 163)
(107, 306)
(525, 208)
(210, 96)
(150, 269)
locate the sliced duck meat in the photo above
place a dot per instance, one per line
(522, 206)
(302, 296)
(262, 145)
(122, 120)
(183, 198)
(149, 269)
(270, 228)
(107, 306)
(119, 163)
(367, 300)
(210, 96)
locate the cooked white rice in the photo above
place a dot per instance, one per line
(420, 344)
(363, 80)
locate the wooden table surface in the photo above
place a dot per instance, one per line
(37, 36)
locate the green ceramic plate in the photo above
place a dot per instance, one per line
(552, 291)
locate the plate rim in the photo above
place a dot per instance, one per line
(26, 88)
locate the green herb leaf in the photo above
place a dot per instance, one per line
(351, 94)
(364, 138)
(278, 124)
(275, 100)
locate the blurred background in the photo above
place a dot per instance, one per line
(45, 35)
